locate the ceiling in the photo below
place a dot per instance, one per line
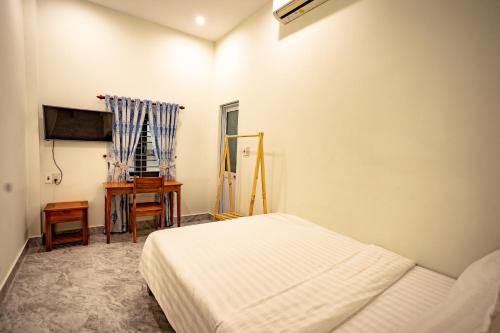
(221, 15)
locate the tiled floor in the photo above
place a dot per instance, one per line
(95, 288)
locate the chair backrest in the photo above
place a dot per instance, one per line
(148, 185)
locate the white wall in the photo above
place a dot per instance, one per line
(13, 233)
(381, 120)
(85, 50)
(31, 119)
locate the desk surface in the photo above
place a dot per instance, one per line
(112, 185)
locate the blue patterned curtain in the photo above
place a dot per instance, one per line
(163, 124)
(128, 119)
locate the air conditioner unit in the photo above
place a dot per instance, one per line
(288, 10)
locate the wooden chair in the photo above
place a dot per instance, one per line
(138, 209)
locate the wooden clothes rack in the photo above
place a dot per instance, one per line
(226, 160)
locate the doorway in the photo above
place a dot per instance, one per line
(229, 126)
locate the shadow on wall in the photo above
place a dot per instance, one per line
(322, 11)
(276, 182)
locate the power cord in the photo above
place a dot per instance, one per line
(57, 166)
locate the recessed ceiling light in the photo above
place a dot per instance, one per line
(200, 20)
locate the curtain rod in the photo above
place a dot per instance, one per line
(103, 97)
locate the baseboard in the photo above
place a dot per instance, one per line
(145, 223)
(11, 274)
(93, 230)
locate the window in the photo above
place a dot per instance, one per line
(145, 162)
(232, 129)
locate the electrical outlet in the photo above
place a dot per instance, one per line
(48, 179)
(56, 178)
(246, 152)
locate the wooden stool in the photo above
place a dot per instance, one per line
(61, 212)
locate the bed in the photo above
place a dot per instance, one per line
(277, 272)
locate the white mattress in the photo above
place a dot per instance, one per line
(202, 274)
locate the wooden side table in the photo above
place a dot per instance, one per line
(60, 212)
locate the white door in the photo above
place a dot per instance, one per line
(229, 126)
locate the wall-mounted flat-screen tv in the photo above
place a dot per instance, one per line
(74, 124)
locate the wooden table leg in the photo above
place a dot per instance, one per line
(171, 210)
(85, 228)
(108, 217)
(48, 235)
(179, 208)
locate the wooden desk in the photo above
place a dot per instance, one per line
(61, 212)
(120, 188)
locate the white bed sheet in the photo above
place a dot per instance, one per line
(191, 297)
(419, 290)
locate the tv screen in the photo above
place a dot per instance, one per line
(73, 124)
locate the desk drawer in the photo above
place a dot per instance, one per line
(65, 215)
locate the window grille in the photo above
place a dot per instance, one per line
(145, 162)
